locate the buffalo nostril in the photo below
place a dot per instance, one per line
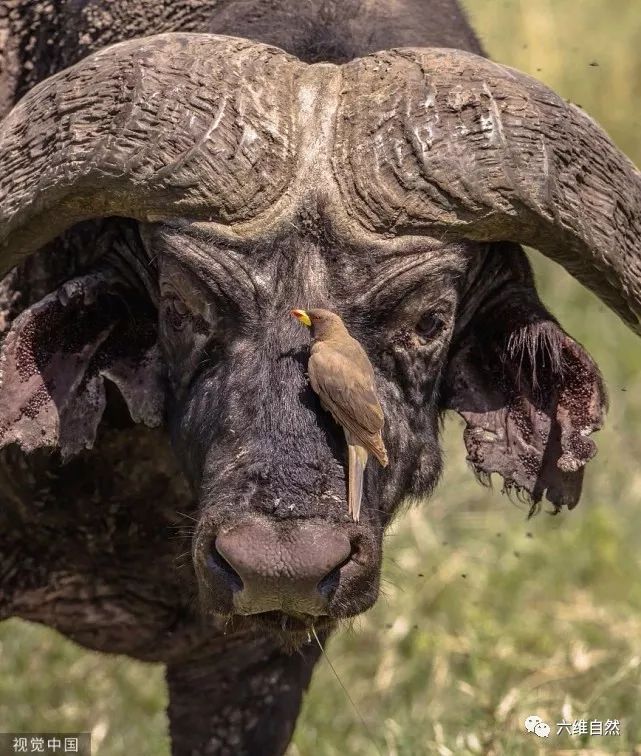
(328, 585)
(221, 567)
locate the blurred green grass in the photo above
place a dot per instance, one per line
(486, 618)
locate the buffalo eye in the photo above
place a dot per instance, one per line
(429, 325)
(176, 313)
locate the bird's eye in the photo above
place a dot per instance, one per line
(429, 325)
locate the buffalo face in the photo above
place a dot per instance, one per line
(274, 539)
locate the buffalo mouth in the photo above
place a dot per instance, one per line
(291, 631)
(290, 624)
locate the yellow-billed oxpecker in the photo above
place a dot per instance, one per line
(343, 378)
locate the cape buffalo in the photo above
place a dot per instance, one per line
(175, 176)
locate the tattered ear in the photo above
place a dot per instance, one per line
(57, 354)
(530, 396)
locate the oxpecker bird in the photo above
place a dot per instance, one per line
(343, 378)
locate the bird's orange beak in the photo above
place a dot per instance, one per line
(302, 317)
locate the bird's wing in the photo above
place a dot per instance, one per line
(347, 392)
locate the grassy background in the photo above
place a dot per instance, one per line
(486, 618)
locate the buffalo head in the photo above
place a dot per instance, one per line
(395, 190)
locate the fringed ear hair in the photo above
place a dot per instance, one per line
(530, 396)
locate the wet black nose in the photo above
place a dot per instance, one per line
(295, 568)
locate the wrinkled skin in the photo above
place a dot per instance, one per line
(175, 325)
(249, 426)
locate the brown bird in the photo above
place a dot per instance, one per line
(343, 378)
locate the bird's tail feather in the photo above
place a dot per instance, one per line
(357, 461)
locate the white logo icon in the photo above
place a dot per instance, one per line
(542, 730)
(537, 726)
(531, 723)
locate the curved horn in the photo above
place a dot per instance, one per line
(178, 124)
(446, 143)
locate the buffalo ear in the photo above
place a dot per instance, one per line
(57, 354)
(530, 396)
